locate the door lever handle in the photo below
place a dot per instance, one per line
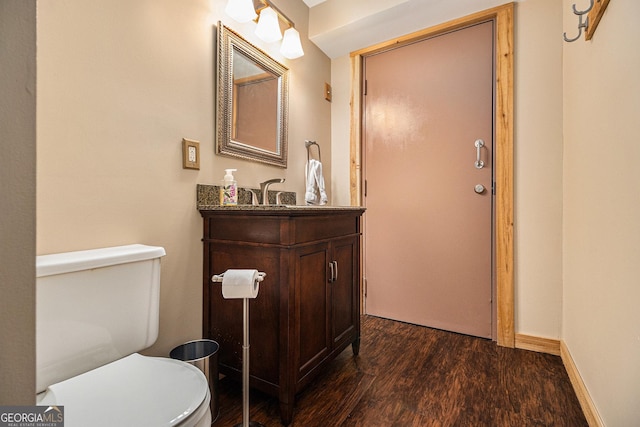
(479, 144)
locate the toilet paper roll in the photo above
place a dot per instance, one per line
(240, 284)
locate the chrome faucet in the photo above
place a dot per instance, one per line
(264, 188)
(254, 198)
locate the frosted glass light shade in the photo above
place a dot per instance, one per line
(268, 28)
(241, 10)
(291, 47)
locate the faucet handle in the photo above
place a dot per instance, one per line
(254, 198)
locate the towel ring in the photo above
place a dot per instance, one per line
(308, 144)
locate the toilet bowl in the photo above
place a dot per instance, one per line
(134, 391)
(94, 311)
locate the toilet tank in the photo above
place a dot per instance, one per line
(94, 307)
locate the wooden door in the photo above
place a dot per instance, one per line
(428, 222)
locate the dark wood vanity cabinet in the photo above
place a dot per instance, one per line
(308, 307)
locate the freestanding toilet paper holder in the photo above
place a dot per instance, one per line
(245, 354)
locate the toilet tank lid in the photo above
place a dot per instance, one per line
(67, 262)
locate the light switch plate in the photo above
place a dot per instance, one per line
(327, 92)
(190, 154)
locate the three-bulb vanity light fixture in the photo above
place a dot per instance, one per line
(268, 28)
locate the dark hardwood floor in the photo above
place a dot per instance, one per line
(409, 375)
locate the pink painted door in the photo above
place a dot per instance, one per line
(428, 221)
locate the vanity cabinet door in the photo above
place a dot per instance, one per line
(312, 329)
(225, 320)
(344, 290)
(326, 308)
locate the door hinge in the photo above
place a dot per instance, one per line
(365, 87)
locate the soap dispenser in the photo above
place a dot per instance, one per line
(229, 189)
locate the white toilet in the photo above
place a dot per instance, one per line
(94, 310)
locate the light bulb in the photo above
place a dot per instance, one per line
(268, 28)
(291, 47)
(241, 10)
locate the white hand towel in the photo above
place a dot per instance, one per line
(320, 182)
(315, 193)
(310, 196)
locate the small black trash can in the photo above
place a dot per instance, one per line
(203, 354)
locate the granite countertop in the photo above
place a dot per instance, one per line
(207, 199)
(263, 208)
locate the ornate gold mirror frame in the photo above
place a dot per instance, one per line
(252, 101)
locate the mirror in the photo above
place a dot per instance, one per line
(252, 101)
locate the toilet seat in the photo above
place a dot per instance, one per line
(134, 391)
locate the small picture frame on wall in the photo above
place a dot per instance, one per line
(190, 154)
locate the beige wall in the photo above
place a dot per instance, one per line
(120, 84)
(340, 129)
(538, 168)
(17, 198)
(601, 324)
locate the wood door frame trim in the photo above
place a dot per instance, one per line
(503, 173)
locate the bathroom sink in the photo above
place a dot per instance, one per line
(310, 206)
(320, 207)
(274, 208)
(281, 206)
